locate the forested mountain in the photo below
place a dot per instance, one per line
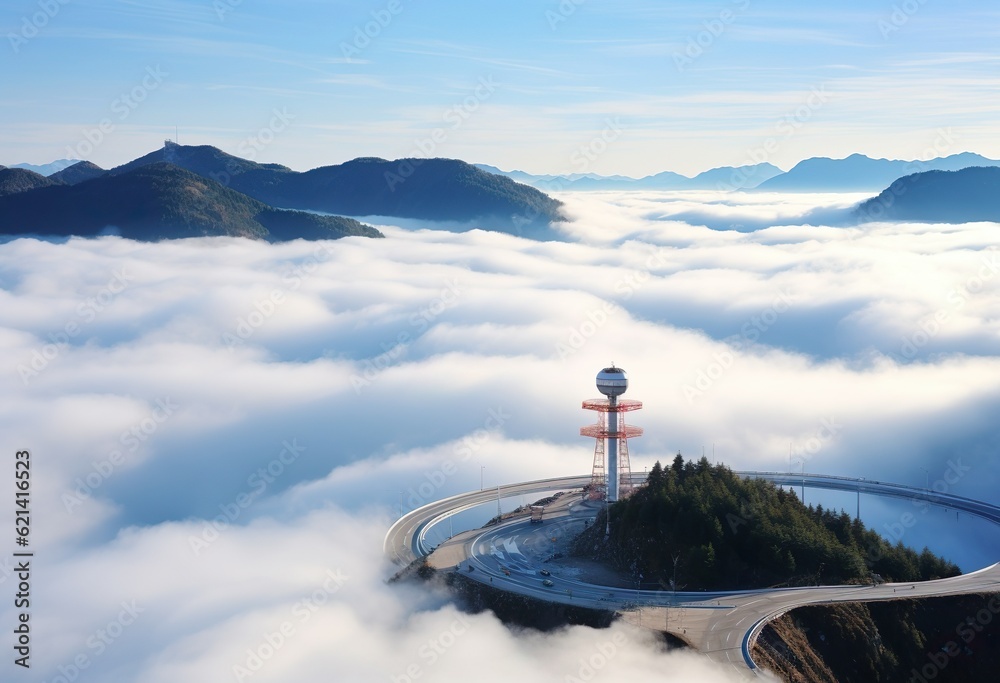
(726, 532)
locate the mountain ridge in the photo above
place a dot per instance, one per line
(47, 169)
(161, 201)
(426, 189)
(854, 173)
(860, 173)
(723, 177)
(962, 196)
(16, 180)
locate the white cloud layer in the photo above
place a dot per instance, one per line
(301, 392)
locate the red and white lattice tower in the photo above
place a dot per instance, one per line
(613, 480)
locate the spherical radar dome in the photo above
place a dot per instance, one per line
(612, 381)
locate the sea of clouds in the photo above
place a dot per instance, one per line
(221, 430)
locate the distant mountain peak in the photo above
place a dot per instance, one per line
(78, 172)
(861, 173)
(47, 169)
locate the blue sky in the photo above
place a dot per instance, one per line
(631, 86)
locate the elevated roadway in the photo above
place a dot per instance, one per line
(512, 555)
(990, 513)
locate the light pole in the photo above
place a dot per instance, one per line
(481, 468)
(401, 503)
(927, 472)
(673, 582)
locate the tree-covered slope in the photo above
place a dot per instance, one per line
(971, 194)
(428, 189)
(161, 201)
(78, 173)
(17, 180)
(727, 532)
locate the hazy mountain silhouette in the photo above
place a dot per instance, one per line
(161, 201)
(47, 169)
(971, 194)
(723, 178)
(859, 173)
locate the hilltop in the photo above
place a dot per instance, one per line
(971, 194)
(730, 533)
(161, 201)
(427, 189)
(77, 173)
(17, 180)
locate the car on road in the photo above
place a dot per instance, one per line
(548, 583)
(545, 572)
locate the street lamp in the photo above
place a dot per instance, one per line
(481, 468)
(927, 472)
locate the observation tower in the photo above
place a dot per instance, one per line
(612, 436)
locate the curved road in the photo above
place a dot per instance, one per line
(724, 625)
